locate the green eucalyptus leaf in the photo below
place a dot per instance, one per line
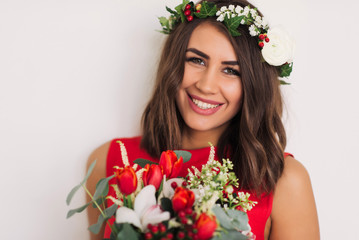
(185, 155)
(127, 232)
(142, 162)
(74, 190)
(95, 228)
(102, 187)
(72, 193)
(98, 201)
(110, 211)
(77, 210)
(89, 171)
(222, 217)
(240, 219)
(232, 234)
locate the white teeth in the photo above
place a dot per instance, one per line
(203, 105)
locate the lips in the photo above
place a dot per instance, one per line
(203, 106)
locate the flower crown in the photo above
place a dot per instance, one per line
(275, 44)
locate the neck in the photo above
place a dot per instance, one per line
(194, 139)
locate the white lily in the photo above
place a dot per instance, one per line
(145, 210)
(168, 190)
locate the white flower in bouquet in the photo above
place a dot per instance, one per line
(168, 191)
(145, 210)
(279, 50)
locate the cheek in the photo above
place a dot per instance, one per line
(190, 75)
(233, 92)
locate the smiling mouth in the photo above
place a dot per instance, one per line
(203, 105)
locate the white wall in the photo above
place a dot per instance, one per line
(77, 73)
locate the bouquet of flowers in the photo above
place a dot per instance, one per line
(153, 203)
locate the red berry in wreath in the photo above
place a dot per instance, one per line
(187, 12)
(261, 36)
(267, 39)
(189, 18)
(188, 6)
(261, 44)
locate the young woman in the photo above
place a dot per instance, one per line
(213, 87)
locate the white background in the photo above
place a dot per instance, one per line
(77, 73)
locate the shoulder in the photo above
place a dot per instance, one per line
(100, 155)
(294, 214)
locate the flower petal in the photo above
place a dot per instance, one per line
(154, 215)
(127, 215)
(145, 199)
(168, 191)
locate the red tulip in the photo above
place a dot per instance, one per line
(152, 175)
(205, 225)
(182, 199)
(126, 180)
(171, 166)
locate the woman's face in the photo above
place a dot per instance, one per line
(211, 90)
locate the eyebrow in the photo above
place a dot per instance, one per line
(202, 54)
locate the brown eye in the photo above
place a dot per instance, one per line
(195, 60)
(231, 71)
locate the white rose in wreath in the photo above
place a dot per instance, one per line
(279, 50)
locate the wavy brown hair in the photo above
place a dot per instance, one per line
(255, 138)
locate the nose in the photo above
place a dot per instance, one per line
(208, 81)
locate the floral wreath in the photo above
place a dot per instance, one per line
(275, 44)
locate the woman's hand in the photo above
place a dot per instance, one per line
(294, 214)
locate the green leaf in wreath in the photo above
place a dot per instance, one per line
(127, 232)
(285, 70)
(207, 10)
(102, 187)
(171, 11)
(282, 82)
(77, 210)
(142, 162)
(185, 155)
(163, 21)
(179, 10)
(74, 190)
(233, 24)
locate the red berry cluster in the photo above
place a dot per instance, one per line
(187, 218)
(262, 37)
(158, 232)
(188, 13)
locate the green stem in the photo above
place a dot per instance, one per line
(99, 208)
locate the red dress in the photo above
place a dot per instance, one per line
(257, 216)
